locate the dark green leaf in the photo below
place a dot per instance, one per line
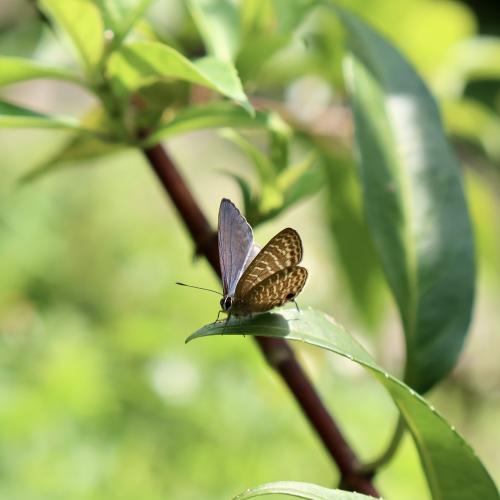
(358, 261)
(453, 470)
(301, 490)
(414, 203)
(246, 193)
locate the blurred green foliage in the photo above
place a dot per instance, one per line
(101, 398)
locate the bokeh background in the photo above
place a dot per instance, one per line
(100, 397)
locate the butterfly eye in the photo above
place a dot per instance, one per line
(290, 296)
(226, 303)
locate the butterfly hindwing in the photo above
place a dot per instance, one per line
(235, 245)
(283, 251)
(275, 290)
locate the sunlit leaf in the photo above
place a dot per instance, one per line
(120, 15)
(267, 27)
(453, 470)
(219, 25)
(475, 122)
(139, 63)
(16, 69)
(473, 59)
(414, 203)
(301, 490)
(82, 21)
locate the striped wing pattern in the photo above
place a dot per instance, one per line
(235, 245)
(275, 290)
(282, 252)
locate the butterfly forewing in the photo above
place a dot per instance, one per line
(283, 251)
(275, 290)
(235, 245)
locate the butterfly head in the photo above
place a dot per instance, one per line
(226, 302)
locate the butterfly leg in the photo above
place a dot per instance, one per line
(296, 305)
(217, 318)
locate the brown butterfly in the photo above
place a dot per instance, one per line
(256, 280)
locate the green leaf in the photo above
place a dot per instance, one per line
(219, 25)
(82, 21)
(246, 192)
(256, 52)
(268, 27)
(139, 63)
(13, 116)
(301, 179)
(270, 200)
(357, 259)
(475, 122)
(301, 490)
(17, 69)
(453, 470)
(78, 149)
(213, 115)
(121, 15)
(414, 202)
(263, 166)
(476, 58)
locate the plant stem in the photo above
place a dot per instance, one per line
(277, 352)
(389, 452)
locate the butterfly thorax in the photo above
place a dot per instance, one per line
(233, 306)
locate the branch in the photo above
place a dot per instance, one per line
(276, 351)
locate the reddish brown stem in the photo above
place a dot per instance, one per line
(277, 351)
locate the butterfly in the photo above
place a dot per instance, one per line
(256, 280)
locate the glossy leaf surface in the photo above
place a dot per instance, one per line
(301, 490)
(452, 469)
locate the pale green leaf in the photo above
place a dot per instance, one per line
(301, 490)
(13, 116)
(121, 15)
(139, 63)
(219, 25)
(263, 166)
(453, 470)
(83, 23)
(78, 149)
(213, 115)
(473, 59)
(475, 122)
(17, 69)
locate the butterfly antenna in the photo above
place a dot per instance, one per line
(199, 288)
